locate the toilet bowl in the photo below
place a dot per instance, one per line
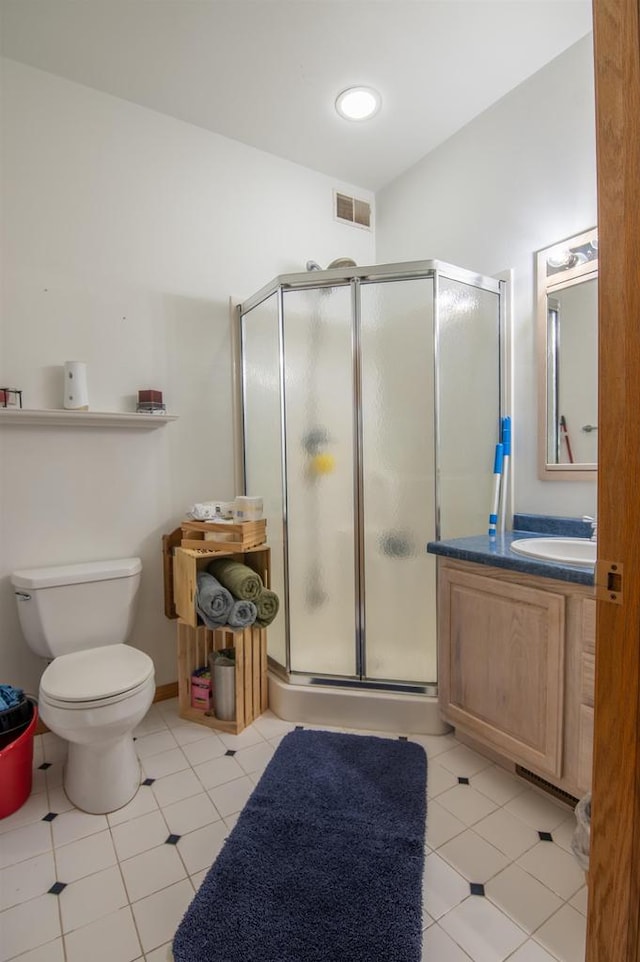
(94, 699)
(96, 689)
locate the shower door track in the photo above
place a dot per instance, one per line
(344, 681)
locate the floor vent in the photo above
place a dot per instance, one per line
(547, 787)
(352, 210)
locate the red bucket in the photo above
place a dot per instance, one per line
(16, 767)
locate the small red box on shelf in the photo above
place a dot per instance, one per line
(201, 690)
(147, 396)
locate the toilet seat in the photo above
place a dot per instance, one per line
(96, 677)
(48, 700)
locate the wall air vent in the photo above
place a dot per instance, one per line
(546, 786)
(352, 211)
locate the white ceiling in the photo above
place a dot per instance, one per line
(266, 72)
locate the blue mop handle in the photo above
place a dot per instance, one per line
(506, 437)
(505, 431)
(497, 476)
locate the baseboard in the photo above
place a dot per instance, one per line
(163, 692)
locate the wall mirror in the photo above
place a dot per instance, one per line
(567, 299)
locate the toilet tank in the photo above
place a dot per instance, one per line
(74, 607)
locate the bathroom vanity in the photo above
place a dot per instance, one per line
(516, 656)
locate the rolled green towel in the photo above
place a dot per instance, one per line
(267, 604)
(239, 579)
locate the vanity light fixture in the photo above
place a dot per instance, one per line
(561, 257)
(358, 103)
(564, 257)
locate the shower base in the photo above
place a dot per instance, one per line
(346, 708)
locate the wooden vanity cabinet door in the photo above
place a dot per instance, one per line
(501, 666)
(587, 687)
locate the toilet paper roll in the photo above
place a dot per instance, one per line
(76, 396)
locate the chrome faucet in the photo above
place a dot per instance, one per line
(594, 526)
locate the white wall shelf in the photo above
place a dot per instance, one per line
(83, 419)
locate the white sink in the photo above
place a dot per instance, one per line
(571, 551)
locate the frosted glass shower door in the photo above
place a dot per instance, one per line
(320, 481)
(468, 405)
(398, 479)
(263, 445)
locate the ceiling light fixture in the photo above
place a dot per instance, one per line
(358, 103)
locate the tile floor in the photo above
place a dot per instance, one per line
(500, 880)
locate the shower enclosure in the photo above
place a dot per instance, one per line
(370, 406)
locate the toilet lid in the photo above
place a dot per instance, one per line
(95, 674)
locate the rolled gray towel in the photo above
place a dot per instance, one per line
(213, 602)
(242, 614)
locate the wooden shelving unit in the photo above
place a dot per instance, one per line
(187, 562)
(195, 642)
(251, 694)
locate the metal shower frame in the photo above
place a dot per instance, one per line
(356, 277)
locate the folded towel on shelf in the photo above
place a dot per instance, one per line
(241, 581)
(202, 511)
(267, 604)
(213, 601)
(242, 614)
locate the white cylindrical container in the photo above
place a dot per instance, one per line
(247, 509)
(76, 396)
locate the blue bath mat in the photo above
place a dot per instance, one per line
(325, 862)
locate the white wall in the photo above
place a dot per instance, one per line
(518, 178)
(124, 232)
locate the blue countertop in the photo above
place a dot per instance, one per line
(481, 550)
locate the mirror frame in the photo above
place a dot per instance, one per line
(545, 285)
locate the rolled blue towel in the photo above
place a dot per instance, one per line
(242, 614)
(213, 602)
(11, 697)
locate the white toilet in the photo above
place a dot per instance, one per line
(96, 689)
